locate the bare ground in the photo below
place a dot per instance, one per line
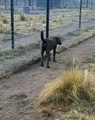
(16, 91)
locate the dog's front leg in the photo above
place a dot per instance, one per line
(54, 52)
(48, 57)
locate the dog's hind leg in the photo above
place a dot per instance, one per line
(54, 52)
(48, 57)
(42, 53)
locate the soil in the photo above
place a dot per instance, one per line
(18, 91)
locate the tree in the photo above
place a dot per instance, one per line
(75, 4)
(65, 4)
(0, 2)
(87, 3)
(29, 2)
(91, 4)
(24, 2)
(16, 3)
(5, 2)
(32, 3)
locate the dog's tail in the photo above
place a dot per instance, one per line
(42, 36)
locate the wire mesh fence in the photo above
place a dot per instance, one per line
(30, 19)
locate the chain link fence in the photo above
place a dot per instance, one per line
(30, 20)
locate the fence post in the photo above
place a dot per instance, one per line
(12, 24)
(80, 14)
(47, 19)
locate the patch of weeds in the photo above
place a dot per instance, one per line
(4, 20)
(5, 72)
(22, 17)
(73, 85)
(4, 56)
(20, 48)
(2, 28)
(42, 19)
(76, 33)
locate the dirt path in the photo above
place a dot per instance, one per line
(16, 90)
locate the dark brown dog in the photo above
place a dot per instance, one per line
(49, 44)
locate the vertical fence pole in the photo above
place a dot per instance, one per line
(47, 19)
(12, 24)
(80, 14)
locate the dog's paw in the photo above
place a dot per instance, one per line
(54, 60)
(48, 67)
(42, 65)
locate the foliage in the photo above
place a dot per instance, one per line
(42, 19)
(4, 19)
(2, 28)
(73, 85)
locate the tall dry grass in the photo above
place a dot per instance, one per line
(2, 28)
(70, 86)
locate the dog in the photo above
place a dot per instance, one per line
(47, 45)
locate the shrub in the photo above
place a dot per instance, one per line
(2, 28)
(42, 19)
(73, 85)
(22, 17)
(4, 19)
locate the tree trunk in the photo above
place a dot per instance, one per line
(91, 4)
(32, 4)
(29, 2)
(0, 2)
(5, 4)
(51, 5)
(24, 2)
(16, 3)
(65, 4)
(87, 4)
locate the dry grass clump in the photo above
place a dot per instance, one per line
(2, 28)
(3, 18)
(22, 17)
(42, 19)
(70, 86)
(82, 116)
(75, 115)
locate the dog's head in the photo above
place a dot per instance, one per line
(58, 40)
